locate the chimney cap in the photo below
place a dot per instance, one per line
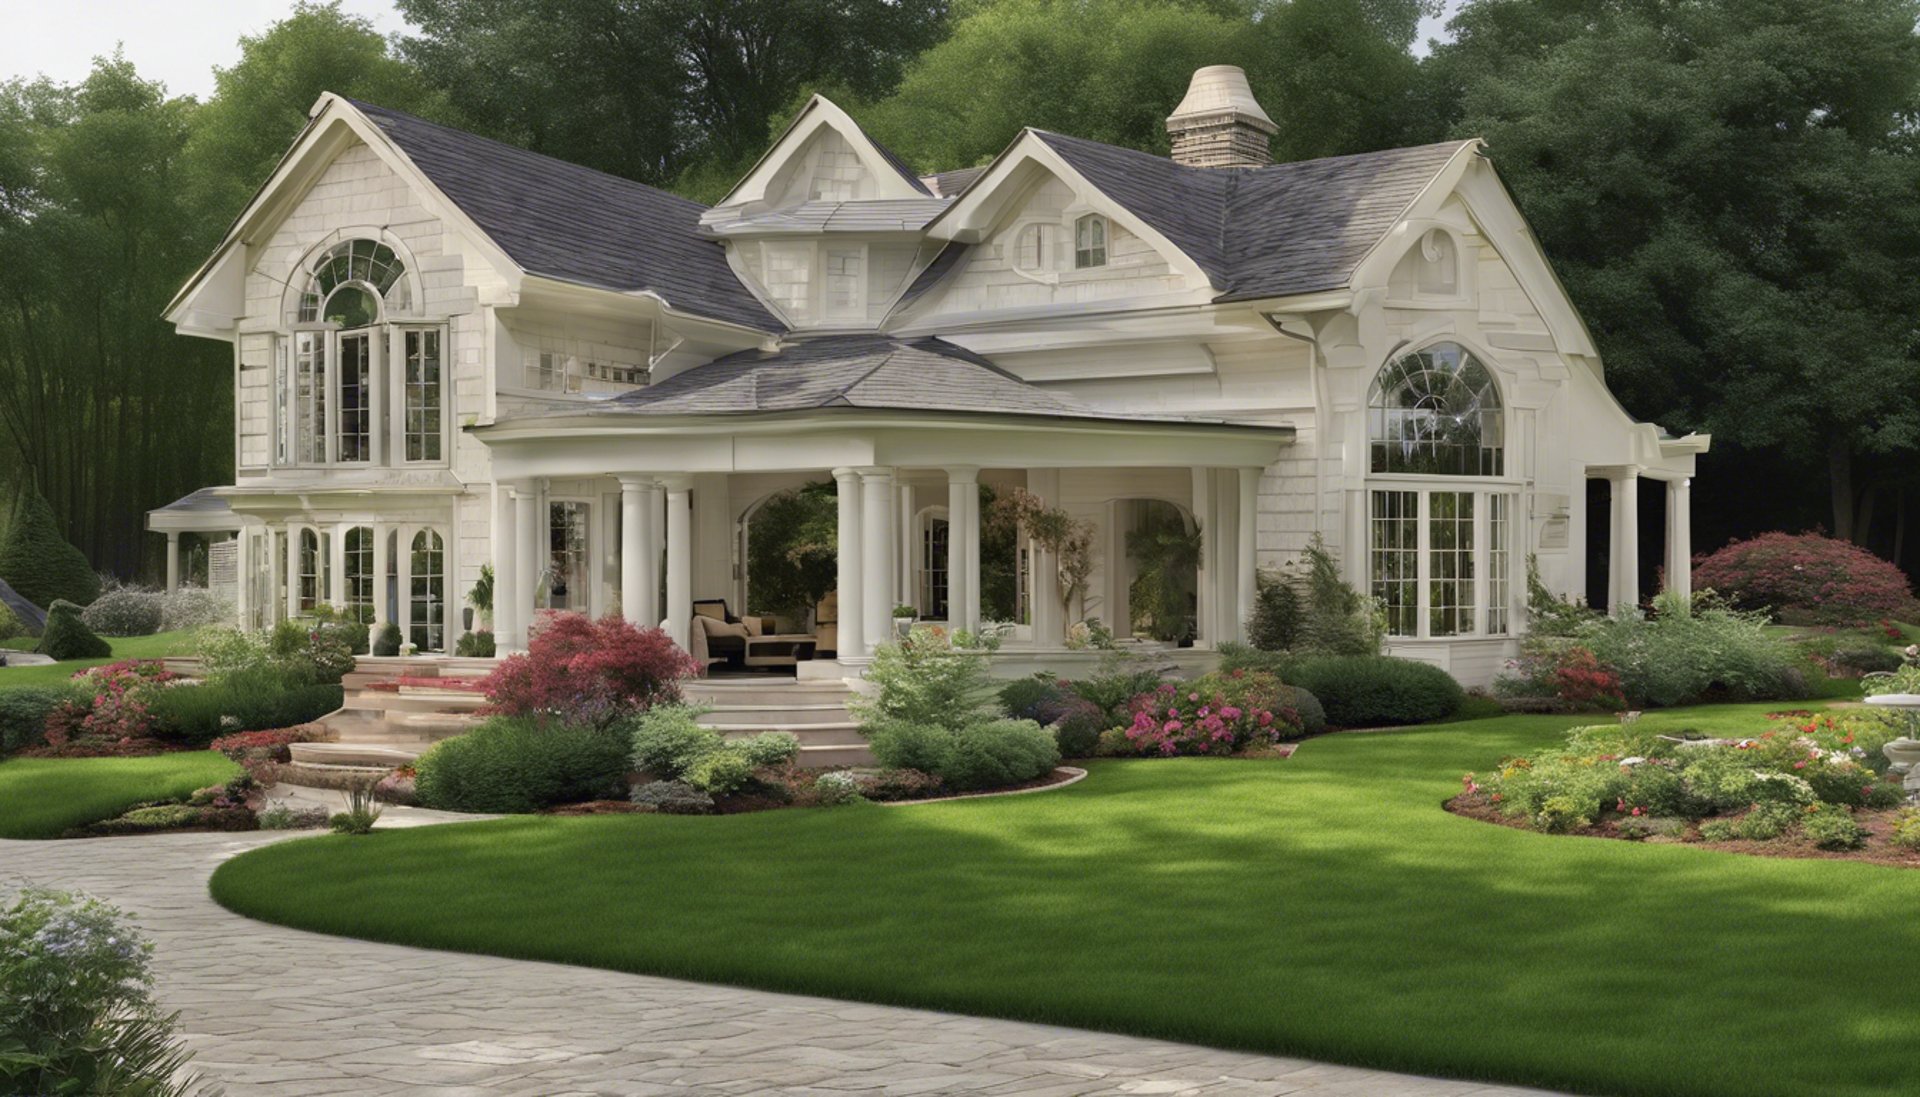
(1222, 89)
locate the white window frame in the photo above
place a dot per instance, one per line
(1481, 585)
(398, 394)
(1104, 248)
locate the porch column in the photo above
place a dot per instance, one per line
(403, 582)
(679, 563)
(1624, 585)
(173, 561)
(653, 503)
(381, 564)
(1200, 498)
(963, 548)
(633, 553)
(1680, 537)
(526, 560)
(877, 532)
(851, 629)
(903, 567)
(505, 568)
(1246, 576)
(243, 579)
(336, 595)
(295, 538)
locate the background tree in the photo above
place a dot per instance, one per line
(792, 557)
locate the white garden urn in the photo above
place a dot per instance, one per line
(1903, 753)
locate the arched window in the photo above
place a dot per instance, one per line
(1439, 554)
(1090, 242)
(1033, 247)
(1436, 412)
(351, 279)
(427, 573)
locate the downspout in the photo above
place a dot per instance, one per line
(1316, 369)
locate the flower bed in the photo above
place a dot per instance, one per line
(1806, 783)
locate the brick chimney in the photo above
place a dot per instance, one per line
(1219, 124)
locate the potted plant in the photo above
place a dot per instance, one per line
(903, 617)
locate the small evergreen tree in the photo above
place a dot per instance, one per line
(1277, 612)
(38, 562)
(1338, 620)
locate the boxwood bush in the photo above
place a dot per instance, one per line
(517, 764)
(1358, 691)
(67, 636)
(982, 755)
(23, 714)
(125, 611)
(260, 699)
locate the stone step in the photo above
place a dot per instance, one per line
(826, 757)
(376, 755)
(775, 716)
(321, 775)
(804, 693)
(826, 735)
(433, 726)
(420, 701)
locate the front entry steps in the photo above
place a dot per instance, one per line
(815, 712)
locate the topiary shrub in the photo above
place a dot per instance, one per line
(515, 764)
(1312, 714)
(998, 753)
(1077, 730)
(387, 640)
(68, 637)
(474, 645)
(1805, 578)
(126, 611)
(11, 627)
(1277, 614)
(1360, 691)
(38, 562)
(24, 711)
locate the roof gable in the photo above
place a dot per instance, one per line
(891, 176)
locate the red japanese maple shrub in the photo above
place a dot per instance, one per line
(583, 671)
(1805, 577)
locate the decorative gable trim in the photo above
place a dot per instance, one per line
(894, 178)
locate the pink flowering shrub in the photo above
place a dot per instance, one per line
(589, 672)
(120, 709)
(1216, 714)
(1806, 578)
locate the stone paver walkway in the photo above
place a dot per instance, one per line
(277, 1011)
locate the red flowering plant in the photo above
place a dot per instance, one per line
(1805, 578)
(1219, 713)
(1570, 673)
(118, 713)
(268, 746)
(590, 672)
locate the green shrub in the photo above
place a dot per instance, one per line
(37, 561)
(67, 637)
(1830, 826)
(23, 713)
(1685, 654)
(998, 753)
(1862, 657)
(1077, 731)
(1313, 715)
(1277, 615)
(769, 748)
(193, 607)
(474, 645)
(1025, 698)
(673, 798)
(1335, 618)
(899, 745)
(521, 764)
(1119, 680)
(925, 679)
(126, 611)
(666, 740)
(11, 626)
(259, 699)
(721, 772)
(1767, 821)
(1359, 691)
(387, 641)
(1906, 828)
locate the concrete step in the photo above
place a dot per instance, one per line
(775, 716)
(433, 726)
(321, 775)
(766, 696)
(376, 755)
(420, 701)
(824, 757)
(833, 735)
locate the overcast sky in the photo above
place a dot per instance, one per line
(179, 41)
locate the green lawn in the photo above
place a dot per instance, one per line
(1322, 906)
(41, 797)
(124, 647)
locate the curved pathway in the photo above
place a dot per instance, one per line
(278, 1011)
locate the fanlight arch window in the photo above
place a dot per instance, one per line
(1436, 412)
(352, 282)
(427, 598)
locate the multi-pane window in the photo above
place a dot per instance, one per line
(933, 568)
(355, 440)
(421, 351)
(844, 276)
(1033, 248)
(1090, 242)
(1450, 556)
(566, 555)
(314, 566)
(367, 263)
(1436, 412)
(358, 573)
(426, 611)
(310, 396)
(1499, 562)
(1395, 564)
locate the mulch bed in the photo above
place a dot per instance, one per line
(1878, 826)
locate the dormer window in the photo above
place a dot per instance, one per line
(1090, 242)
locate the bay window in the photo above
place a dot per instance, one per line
(1439, 511)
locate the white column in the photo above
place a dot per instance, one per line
(679, 564)
(1680, 537)
(963, 548)
(294, 540)
(243, 579)
(905, 590)
(505, 567)
(1573, 577)
(527, 528)
(173, 561)
(1625, 583)
(337, 565)
(403, 582)
(633, 552)
(852, 607)
(876, 553)
(654, 504)
(1246, 577)
(381, 564)
(1200, 498)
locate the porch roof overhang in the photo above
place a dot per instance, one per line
(668, 445)
(203, 511)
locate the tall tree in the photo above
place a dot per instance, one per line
(1731, 192)
(655, 89)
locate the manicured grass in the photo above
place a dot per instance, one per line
(1323, 906)
(41, 797)
(159, 645)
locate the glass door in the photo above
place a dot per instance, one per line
(568, 585)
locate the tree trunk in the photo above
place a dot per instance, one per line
(1840, 486)
(1863, 517)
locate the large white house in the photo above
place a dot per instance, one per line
(449, 352)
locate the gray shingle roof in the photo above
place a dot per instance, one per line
(947, 184)
(865, 215)
(204, 501)
(1283, 229)
(572, 223)
(853, 371)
